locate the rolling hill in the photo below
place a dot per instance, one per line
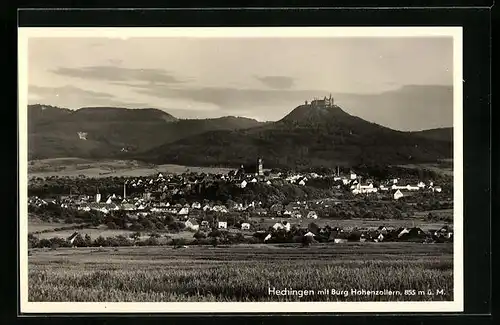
(310, 135)
(441, 134)
(111, 132)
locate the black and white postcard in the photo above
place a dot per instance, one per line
(217, 170)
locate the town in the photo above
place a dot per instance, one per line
(247, 205)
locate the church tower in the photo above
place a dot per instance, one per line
(260, 170)
(98, 196)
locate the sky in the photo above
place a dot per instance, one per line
(402, 83)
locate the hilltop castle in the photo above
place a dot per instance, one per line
(326, 101)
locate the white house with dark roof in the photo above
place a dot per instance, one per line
(398, 194)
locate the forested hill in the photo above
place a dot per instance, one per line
(310, 135)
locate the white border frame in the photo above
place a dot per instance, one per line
(240, 307)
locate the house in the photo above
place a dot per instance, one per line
(296, 214)
(220, 208)
(286, 225)
(254, 180)
(309, 234)
(222, 225)
(437, 189)
(243, 184)
(267, 237)
(196, 205)
(312, 215)
(204, 224)
(183, 211)
(397, 195)
(192, 224)
(338, 236)
(245, 226)
(72, 238)
(402, 231)
(128, 207)
(278, 226)
(382, 229)
(261, 211)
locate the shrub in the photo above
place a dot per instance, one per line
(100, 241)
(199, 235)
(178, 242)
(33, 241)
(111, 225)
(44, 243)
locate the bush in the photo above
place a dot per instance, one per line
(178, 242)
(100, 241)
(199, 235)
(111, 225)
(44, 243)
(33, 241)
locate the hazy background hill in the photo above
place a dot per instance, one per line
(442, 134)
(307, 136)
(112, 132)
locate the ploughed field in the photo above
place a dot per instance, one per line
(243, 273)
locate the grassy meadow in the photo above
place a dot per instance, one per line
(74, 167)
(239, 273)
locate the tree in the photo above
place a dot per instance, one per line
(33, 241)
(111, 225)
(199, 235)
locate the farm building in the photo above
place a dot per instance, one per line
(312, 215)
(398, 194)
(278, 226)
(309, 234)
(72, 238)
(192, 224)
(338, 236)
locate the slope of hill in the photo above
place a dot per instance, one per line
(441, 134)
(308, 136)
(110, 132)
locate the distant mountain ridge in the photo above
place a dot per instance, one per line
(310, 135)
(111, 132)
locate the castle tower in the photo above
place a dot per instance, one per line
(260, 170)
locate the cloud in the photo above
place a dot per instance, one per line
(277, 82)
(65, 91)
(74, 97)
(114, 73)
(233, 98)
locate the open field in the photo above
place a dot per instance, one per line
(240, 273)
(74, 167)
(445, 167)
